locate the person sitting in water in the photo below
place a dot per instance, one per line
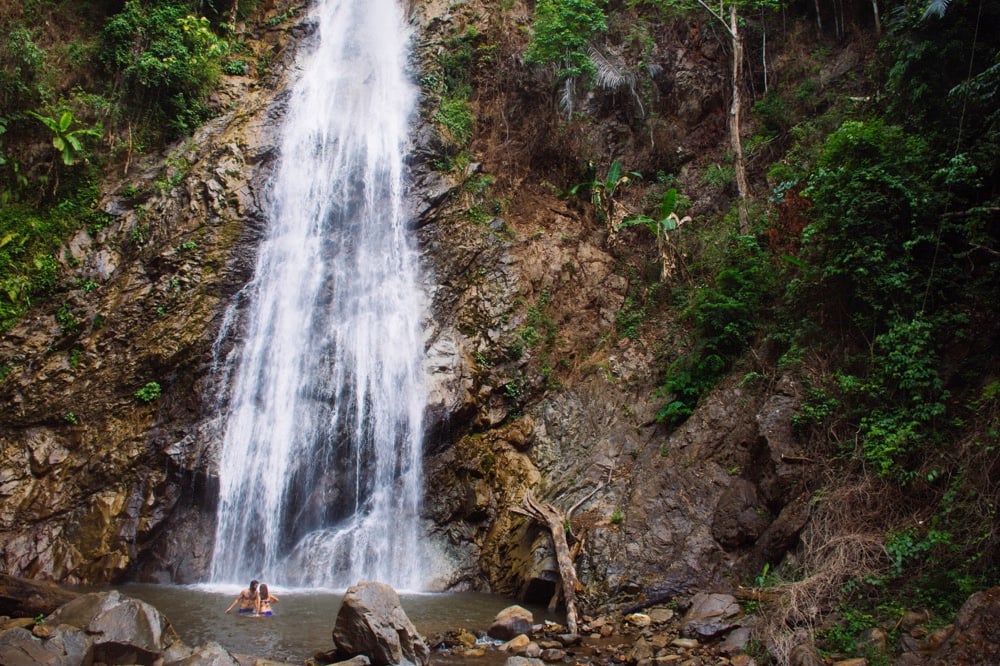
(264, 601)
(247, 599)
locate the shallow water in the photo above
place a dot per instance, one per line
(303, 620)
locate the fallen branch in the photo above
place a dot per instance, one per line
(555, 521)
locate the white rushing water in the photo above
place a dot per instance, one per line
(320, 469)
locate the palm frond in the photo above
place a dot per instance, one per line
(936, 8)
(614, 74)
(568, 95)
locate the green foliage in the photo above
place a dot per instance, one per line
(69, 323)
(602, 190)
(816, 409)
(148, 393)
(562, 31)
(22, 65)
(30, 241)
(71, 418)
(842, 638)
(908, 395)
(725, 316)
(458, 61)
(166, 59)
(456, 118)
(67, 142)
(629, 318)
(235, 67)
(874, 202)
(666, 219)
(719, 176)
(617, 517)
(450, 77)
(541, 322)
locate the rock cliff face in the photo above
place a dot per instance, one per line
(533, 384)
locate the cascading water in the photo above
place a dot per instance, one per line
(320, 470)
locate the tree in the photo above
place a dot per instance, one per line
(728, 16)
(560, 527)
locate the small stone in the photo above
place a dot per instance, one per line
(913, 618)
(606, 631)
(735, 641)
(466, 638)
(742, 660)
(805, 654)
(851, 662)
(661, 615)
(523, 661)
(474, 652)
(640, 620)
(872, 640)
(684, 643)
(516, 644)
(532, 650)
(552, 655)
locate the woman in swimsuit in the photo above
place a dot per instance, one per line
(264, 601)
(247, 600)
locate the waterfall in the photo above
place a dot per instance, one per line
(320, 469)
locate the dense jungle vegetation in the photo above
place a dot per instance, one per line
(867, 265)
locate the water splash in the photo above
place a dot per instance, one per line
(320, 470)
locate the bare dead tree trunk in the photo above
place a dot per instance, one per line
(739, 164)
(555, 521)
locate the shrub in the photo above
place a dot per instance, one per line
(148, 393)
(21, 69)
(166, 59)
(562, 32)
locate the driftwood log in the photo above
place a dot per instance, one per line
(21, 597)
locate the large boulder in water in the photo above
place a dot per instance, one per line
(510, 622)
(122, 630)
(371, 622)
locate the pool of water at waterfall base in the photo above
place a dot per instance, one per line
(302, 624)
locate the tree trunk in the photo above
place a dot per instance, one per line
(554, 520)
(742, 187)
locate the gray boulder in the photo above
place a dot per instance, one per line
(371, 622)
(122, 630)
(62, 646)
(210, 654)
(710, 615)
